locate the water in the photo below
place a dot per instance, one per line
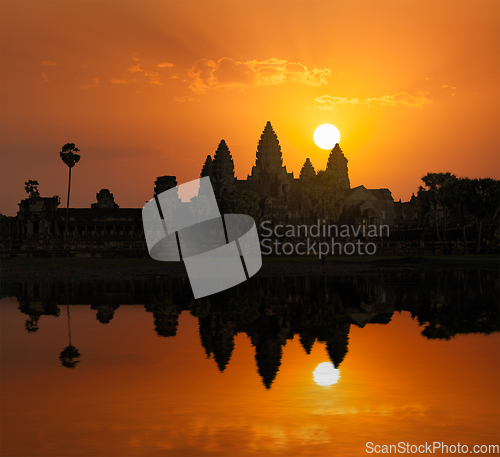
(278, 366)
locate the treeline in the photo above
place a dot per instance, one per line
(472, 200)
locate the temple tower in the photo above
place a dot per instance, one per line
(268, 168)
(307, 170)
(164, 183)
(223, 180)
(207, 168)
(337, 164)
(105, 200)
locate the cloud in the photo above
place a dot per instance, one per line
(150, 77)
(207, 75)
(153, 77)
(94, 82)
(401, 98)
(119, 81)
(327, 103)
(185, 99)
(48, 63)
(44, 76)
(445, 86)
(165, 64)
(135, 68)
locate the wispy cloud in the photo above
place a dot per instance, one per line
(153, 77)
(329, 103)
(135, 68)
(119, 81)
(165, 64)
(44, 76)
(185, 99)
(446, 86)
(93, 82)
(48, 63)
(207, 74)
(326, 102)
(401, 98)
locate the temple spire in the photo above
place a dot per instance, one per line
(268, 169)
(223, 178)
(307, 170)
(337, 164)
(207, 167)
(269, 157)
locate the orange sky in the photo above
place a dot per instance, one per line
(147, 89)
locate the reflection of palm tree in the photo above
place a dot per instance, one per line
(31, 324)
(70, 353)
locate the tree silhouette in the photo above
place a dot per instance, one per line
(31, 188)
(70, 157)
(483, 201)
(244, 202)
(325, 197)
(441, 192)
(461, 190)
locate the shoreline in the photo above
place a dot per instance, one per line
(14, 271)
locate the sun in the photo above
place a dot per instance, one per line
(326, 136)
(326, 374)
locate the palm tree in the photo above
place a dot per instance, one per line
(70, 353)
(70, 157)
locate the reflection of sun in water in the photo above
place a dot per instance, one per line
(326, 374)
(326, 136)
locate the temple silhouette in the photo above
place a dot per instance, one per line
(279, 194)
(276, 194)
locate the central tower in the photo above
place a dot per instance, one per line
(268, 169)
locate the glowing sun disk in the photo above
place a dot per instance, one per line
(326, 136)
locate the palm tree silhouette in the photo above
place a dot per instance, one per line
(70, 157)
(70, 353)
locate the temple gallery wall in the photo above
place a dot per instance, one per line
(278, 195)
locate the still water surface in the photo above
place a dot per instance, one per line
(278, 366)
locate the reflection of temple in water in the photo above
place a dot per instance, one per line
(272, 311)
